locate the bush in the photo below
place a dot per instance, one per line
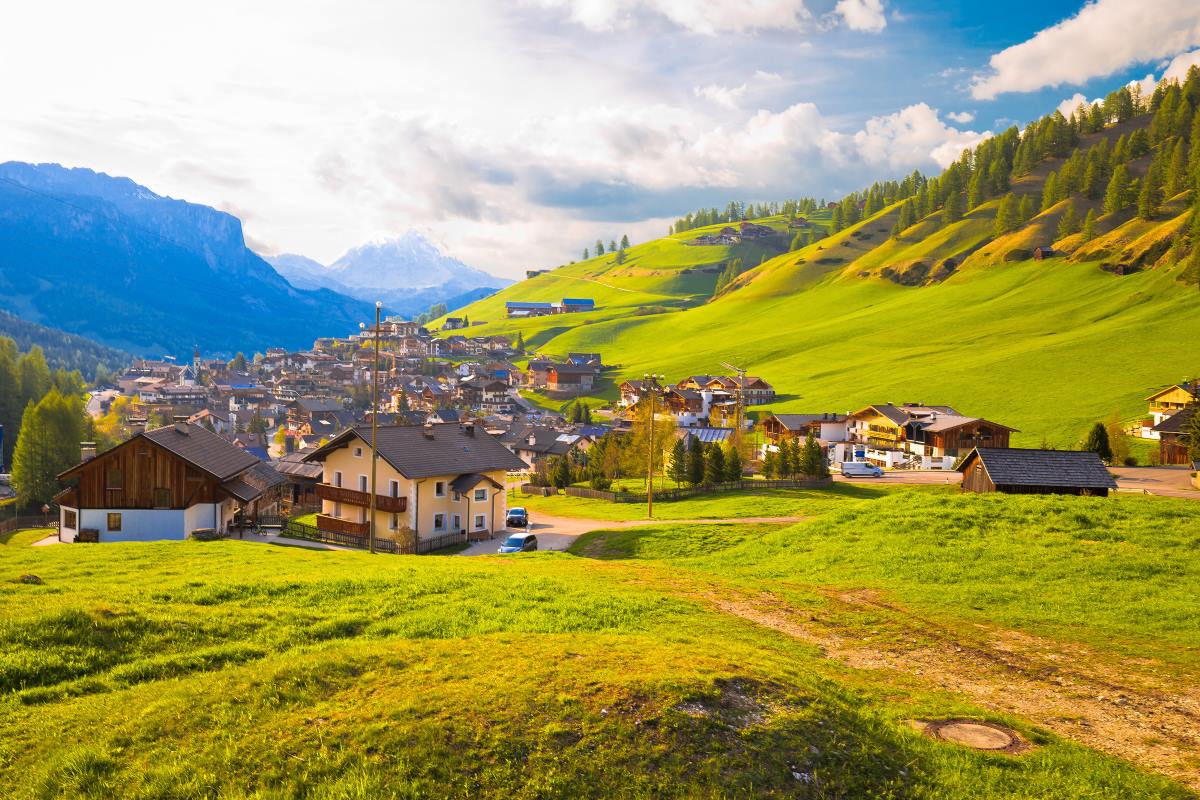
(1130, 461)
(600, 483)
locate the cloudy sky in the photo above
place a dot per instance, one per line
(515, 133)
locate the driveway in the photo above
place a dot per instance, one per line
(559, 533)
(1165, 481)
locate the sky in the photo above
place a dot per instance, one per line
(516, 133)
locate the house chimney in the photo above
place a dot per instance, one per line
(469, 428)
(87, 451)
(428, 430)
(181, 425)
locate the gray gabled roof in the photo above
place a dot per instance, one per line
(1177, 422)
(203, 449)
(1066, 468)
(429, 450)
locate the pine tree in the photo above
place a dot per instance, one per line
(1089, 225)
(51, 431)
(797, 241)
(34, 376)
(1050, 191)
(599, 247)
(560, 473)
(678, 469)
(1025, 209)
(770, 465)
(1176, 180)
(1150, 196)
(1006, 216)
(1116, 196)
(625, 242)
(1097, 442)
(695, 462)
(10, 397)
(733, 465)
(1193, 433)
(813, 458)
(1068, 223)
(714, 466)
(586, 254)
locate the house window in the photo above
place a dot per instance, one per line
(162, 498)
(70, 518)
(394, 522)
(457, 523)
(480, 495)
(362, 483)
(114, 522)
(439, 489)
(358, 452)
(337, 479)
(439, 522)
(115, 479)
(362, 515)
(480, 522)
(394, 488)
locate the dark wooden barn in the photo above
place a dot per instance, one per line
(1016, 471)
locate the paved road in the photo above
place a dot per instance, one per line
(559, 533)
(915, 477)
(1165, 481)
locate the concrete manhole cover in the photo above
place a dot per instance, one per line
(975, 734)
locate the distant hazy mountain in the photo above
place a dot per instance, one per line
(408, 273)
(109, 259)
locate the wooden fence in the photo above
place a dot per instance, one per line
(544, 491)
(17, 523)
(299, 530)
(667, 495)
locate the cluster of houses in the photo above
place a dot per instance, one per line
(745, 231)
(568, 305)
(1167, 419)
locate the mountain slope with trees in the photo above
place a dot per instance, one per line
(927, 289)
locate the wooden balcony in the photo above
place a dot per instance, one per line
(328, 523)
(383, 502)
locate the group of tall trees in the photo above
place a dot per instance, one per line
(790, 459)
(737, 211)
(698, 464)
(613, 247)
(26, 378)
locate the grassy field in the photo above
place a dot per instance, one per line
(672, 661)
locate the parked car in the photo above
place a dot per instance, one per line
(861, 469)
(519, 543)
(517, 518)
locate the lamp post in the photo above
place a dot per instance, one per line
(374, 428)
(651, 382)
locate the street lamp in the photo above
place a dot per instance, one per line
(651, 385)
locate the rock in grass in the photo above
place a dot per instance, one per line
(31, 579)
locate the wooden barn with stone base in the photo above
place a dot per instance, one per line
(1016, 471)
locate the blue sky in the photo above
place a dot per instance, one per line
(515, 133)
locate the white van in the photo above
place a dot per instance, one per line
(861, 469)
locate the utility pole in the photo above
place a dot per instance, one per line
(738, 425)
(651, 382)
(374, 427)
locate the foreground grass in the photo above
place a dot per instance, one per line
(231, 669)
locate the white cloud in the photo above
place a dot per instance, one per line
(862, 15)
(1105, 36)
(913, 135)
(961, 117)
(1178, 67)
(762, 76)
(1071, 104)
(699, 16)
(721, 95)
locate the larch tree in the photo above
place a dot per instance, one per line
(1116, 196)
(1097, 442)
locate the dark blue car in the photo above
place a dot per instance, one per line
(519, 543)
(517, 518)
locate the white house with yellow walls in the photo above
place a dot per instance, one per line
(433, 480)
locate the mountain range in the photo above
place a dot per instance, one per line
(408, 273)
(109, 259)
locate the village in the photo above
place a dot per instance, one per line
(285, 439)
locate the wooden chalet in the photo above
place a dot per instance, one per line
(163, 483)
(1017, 471)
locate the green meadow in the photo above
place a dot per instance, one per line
(677, 660)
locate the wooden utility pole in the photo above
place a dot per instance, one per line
(651, 382)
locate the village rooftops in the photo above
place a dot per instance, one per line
(903, 414)
(203, 449)
(795, 422)
(429, 450)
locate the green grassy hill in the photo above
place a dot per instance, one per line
(947, 314)
(669, 661)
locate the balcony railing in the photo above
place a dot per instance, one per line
(328, 523)
(383, 502)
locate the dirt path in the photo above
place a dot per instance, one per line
(1137, 710)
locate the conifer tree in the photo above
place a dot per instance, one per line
(1116, 196)
(1006, 216)
(599, 247)
(714, 465)
(770, 465)
(625, 242)
(1068, 223)
(1089, 225)
(678, 469)
(1150, 196)
(1176, 180)
(1097, 442)
(797, 241)
(1050, 191)
(695, 468)
(733, 465)
(1193, 434)
(1025, 209)
(48, 444)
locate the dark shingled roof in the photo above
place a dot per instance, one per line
(1066, 468)
(1177, 422)
(450, 451)
(204, 449)
(465, 483)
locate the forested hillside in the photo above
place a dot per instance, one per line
(928, 288)
(61, 349)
